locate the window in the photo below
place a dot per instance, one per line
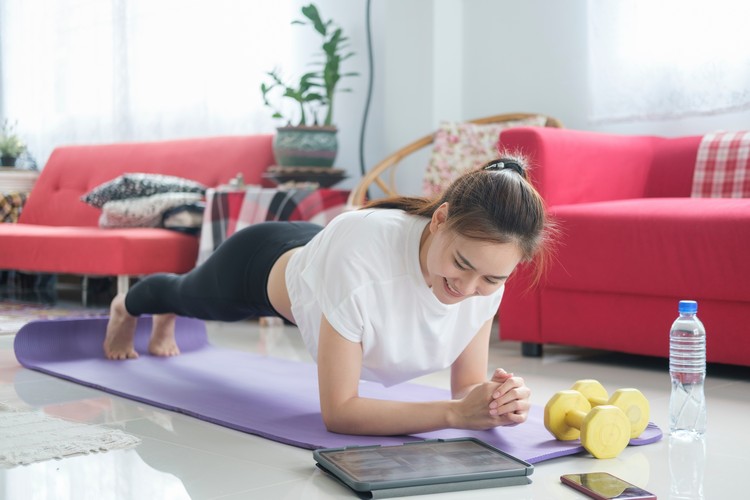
(655, 59)
(86, 71)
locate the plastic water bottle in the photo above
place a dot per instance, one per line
(687, 464)
(687, 368)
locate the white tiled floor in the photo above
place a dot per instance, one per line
(181, 457)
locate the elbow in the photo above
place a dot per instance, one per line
(339, 419)
(328, 420)
(331, 415)
(333, 426)
(333, 422)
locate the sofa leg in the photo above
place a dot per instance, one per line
(531, 349)
(85, 291)
(123, 283)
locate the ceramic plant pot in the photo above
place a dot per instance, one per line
(8, 161)
(305, 146)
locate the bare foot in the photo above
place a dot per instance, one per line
(162, 341)
(118, 344)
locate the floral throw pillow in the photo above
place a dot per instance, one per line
(460, 146)
(146, 211)
(138, 185)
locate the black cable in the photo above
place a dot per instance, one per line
(362, 167)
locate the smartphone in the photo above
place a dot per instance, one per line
(605, 486)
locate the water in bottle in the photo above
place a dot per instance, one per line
(687, 369)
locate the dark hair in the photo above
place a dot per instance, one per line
(494, 203)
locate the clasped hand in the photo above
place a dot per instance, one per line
(503, 400)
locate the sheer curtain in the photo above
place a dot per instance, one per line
(92, 71)
(656, 59)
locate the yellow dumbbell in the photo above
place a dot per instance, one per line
(604, 430)
(631, 401)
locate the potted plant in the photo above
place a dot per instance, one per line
(11, 145)
(309, 137)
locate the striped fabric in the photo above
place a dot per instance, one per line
(229, 211)
(722, 168)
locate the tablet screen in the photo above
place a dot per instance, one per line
(424, 460)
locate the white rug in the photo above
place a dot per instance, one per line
(13, 315)
(28, 436)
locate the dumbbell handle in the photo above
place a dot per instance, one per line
(574, 418)
(597, 401)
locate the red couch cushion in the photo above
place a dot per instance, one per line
(90, 250)
(655, 246)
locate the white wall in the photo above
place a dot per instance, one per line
(463, 59)
(527, 57)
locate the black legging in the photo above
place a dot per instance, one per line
(231, 284)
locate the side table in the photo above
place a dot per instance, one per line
(15, 185)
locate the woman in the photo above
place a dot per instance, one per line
(403, 287)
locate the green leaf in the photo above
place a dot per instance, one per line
(315, 90)
(311, 12)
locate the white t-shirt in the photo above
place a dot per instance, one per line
(362, 271)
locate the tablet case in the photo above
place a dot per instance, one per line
(519, 476)
(429, 489)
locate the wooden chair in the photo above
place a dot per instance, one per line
(358, 195)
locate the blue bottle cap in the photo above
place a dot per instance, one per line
(688, 306)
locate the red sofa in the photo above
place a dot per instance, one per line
(59, 234)
(632, 243)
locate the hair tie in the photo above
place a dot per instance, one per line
(503, 164)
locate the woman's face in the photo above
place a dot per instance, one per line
(457, 268)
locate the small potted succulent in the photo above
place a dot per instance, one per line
(308, 137)
(11, 145)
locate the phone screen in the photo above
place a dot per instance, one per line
(605, 486)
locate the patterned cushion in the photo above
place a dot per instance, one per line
(185, 218)
(146, 211)
(722, 166)
(138, 185)
(459, 147)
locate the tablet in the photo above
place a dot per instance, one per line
(444, 464)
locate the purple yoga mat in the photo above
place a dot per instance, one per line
(269, 397)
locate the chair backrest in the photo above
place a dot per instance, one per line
(389, 166)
